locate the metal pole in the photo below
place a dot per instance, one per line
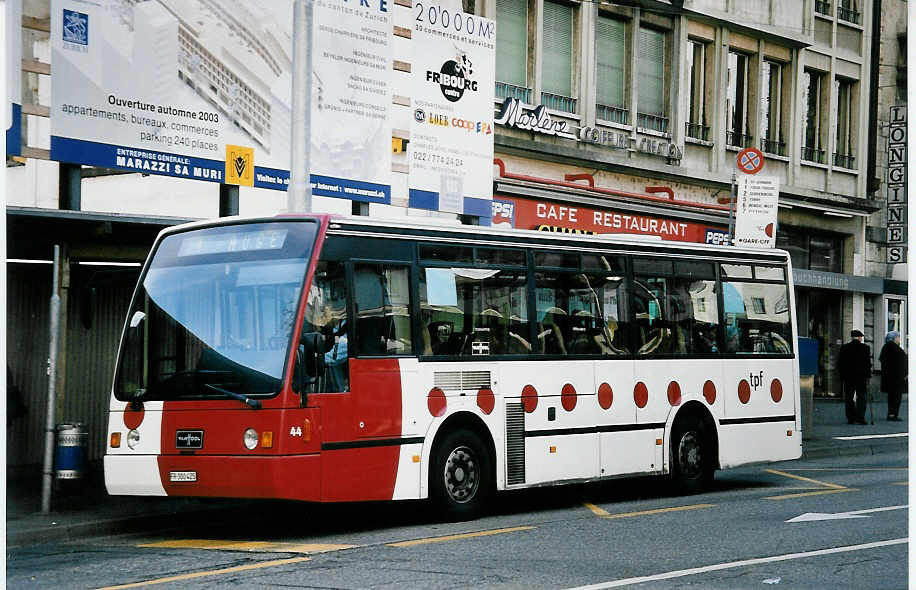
(299, 191)
(52, 390)
(731, 211)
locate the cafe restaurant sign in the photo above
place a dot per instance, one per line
(518, 115)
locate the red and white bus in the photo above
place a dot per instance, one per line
(340, 359)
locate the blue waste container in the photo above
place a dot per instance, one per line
(70, 451)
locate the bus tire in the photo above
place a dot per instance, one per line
(461, 475)
(692, 463)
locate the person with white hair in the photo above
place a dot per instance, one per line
(893, 373)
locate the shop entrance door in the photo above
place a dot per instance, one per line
(825, 324)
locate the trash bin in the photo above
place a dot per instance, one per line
(70, 451)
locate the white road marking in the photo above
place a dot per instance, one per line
(868, 436)
(742, 563)
(815, 516)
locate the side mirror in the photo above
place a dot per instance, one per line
(309, 361)
(313, 357)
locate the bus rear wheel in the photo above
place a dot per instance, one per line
(461, 477)
(692, 464)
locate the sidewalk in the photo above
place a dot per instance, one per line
(84, 508)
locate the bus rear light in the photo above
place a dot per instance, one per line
(115, 441)
(250, 439)
(416, 458)
(789, 433)
(658, 442)
(267, 439)
(306, 430)
(553, 449)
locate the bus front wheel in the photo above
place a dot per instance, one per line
(692, 464)
(461, 475)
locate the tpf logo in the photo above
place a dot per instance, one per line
(453, 78)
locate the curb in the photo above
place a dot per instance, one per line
(841, 448)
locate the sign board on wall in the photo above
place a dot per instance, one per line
(896, 186)
(202, 90)
(569, 218)
(453, 75)
(12, 111)
(756, 211)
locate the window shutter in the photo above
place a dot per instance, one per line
(610, 40)
(651, 72)
(557, 64)
(512, 42)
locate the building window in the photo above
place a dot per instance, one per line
(737, 131)
(512, 48)
(847, 10)
(650, 104)
(843, 156)
(822, 7)
(696, 72)
(771, 109)
(812, 145)
(610, 44)
(811, 251)
(557, 65)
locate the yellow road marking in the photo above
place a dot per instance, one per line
(596, 510)
(261, 546)
(901, 483)
(814, 493)
(850, 469)
(228, 570)
(657, 511)
(807, 479)
(460, 536)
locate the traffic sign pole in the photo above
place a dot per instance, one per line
(731, 209)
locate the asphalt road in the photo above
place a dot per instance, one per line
(825, 523)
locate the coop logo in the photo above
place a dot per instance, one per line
(454, 78)
(503, 213)
(76, 27)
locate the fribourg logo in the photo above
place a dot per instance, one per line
(454, 78)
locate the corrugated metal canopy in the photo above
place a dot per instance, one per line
(31, 234)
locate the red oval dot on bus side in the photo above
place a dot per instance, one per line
(776, 390)
(709, 392)
(605, 396)
(568, 397)
(744, 391)
(641, 395)
(674, 393)
(435, 401)
(529, 398)
(486, 401)
(133, 418)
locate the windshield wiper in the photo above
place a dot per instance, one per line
(254, 403)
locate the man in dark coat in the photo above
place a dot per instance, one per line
(855, 369)
(893, 373)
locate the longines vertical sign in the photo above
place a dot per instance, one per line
(896, 186)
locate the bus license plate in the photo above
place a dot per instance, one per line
(182, 476)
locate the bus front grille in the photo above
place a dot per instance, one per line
(515, 443)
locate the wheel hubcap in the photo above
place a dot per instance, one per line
(690, 455)
(461, 475)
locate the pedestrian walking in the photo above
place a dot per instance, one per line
(854, 363)
(893, 373)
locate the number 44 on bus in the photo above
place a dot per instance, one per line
(332, 359)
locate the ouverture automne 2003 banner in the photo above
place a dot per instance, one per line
(201, 89)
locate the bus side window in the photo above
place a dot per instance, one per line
(326, 314)
(382, 310)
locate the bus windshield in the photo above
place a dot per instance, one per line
(214, 313)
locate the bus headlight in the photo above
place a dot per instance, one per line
(133, 439)
(250, 439)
